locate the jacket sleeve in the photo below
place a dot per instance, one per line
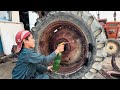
(41, 68)
(35, 58)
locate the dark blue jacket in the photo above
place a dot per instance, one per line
(30, 62)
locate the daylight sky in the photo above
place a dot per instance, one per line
(107, 14)
(103, 14)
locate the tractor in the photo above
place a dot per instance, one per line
(112, 31)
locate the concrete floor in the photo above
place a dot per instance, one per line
(6, 68)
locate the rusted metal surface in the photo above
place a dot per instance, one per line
(112, 29)
(75, 52)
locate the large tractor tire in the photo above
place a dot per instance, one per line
(84, 53)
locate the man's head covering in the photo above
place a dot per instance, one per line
(19, 38)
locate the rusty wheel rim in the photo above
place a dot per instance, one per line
(73, 58)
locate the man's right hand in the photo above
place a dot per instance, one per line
(60, 48)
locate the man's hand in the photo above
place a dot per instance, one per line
(50, 68)
(60, 47)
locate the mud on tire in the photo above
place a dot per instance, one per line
(84, 55)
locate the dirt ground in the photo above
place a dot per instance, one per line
(6, 68)
(108, 67)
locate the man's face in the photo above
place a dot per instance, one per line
(30, 43)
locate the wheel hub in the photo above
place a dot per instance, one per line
(113, 47)
(75, 51)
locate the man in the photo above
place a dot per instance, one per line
(31, 65)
